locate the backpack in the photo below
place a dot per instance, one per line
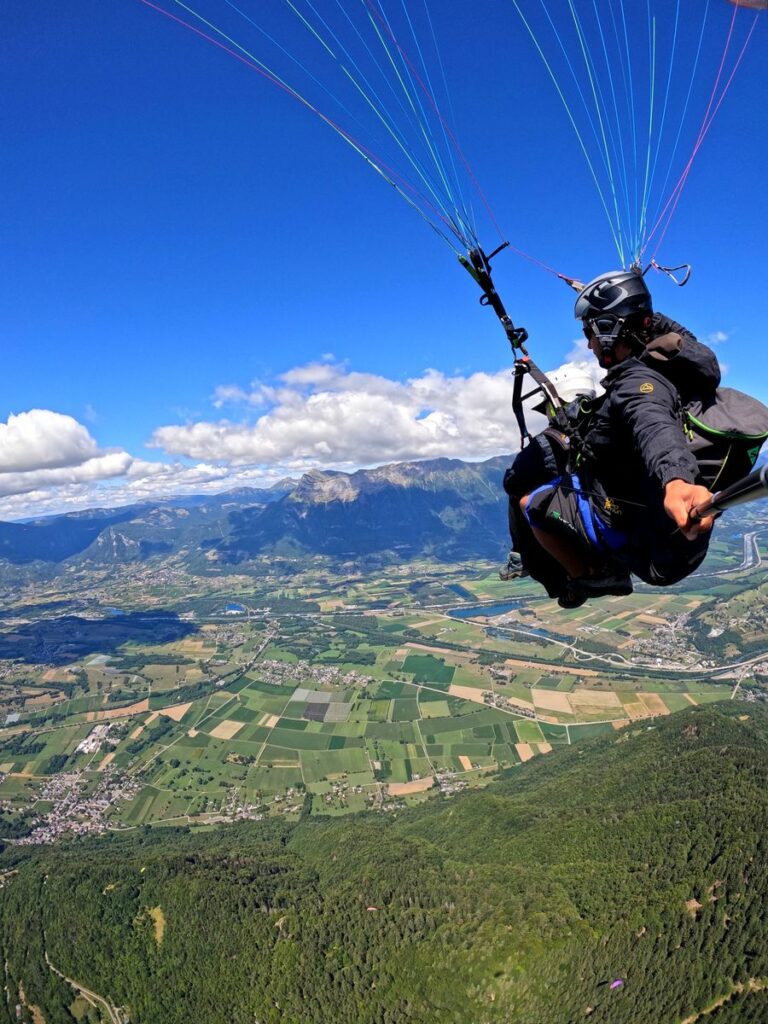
(725, 433)
(725, 428)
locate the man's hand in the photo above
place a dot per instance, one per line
(680, 498)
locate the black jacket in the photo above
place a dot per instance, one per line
(635, 435)
(634, 440)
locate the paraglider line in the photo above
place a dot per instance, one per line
(586, 106)
(387, 173)
(293, 59)
(692, 79)
(375, 102)
(618, 139)
(572, 119)
(632, 108)
(419, 115)
(674, 198)
(451, 110)
(401, 185)
(665, 108)
(459, 205)
(651, 116)
(447, 127)
(599, 107)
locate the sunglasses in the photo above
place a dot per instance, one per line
(602, 327)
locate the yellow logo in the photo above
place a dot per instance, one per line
(646, 388)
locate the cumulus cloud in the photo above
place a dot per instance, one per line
(41, 439)
(143, 482)
(44, 455)
(580, 352)
(324, 414)
(102, 467)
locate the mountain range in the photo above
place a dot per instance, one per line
(443, 508)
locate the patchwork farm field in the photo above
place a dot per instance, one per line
(340, 693)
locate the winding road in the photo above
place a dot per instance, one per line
(114, 1015)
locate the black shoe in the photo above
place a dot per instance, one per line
(514, 569)
(619, 585)
(571, 596)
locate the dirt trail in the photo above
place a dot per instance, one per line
(753, 985)
(114, 1016)
(37, 1013)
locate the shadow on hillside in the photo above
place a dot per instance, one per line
(69, 638)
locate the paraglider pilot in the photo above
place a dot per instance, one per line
(615, 494)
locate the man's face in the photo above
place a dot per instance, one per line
(606, 358)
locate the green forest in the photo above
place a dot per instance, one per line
(641, 857)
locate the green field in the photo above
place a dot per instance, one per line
(352, 692)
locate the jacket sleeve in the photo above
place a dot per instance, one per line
(663, 324)
(691, 365)
(648, 407)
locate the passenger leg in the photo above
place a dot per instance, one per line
(567, 554)
(534, 466)
(565, 525)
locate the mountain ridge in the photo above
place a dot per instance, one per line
(442, 508)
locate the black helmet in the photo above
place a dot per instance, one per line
(620, 293)
(615, 305)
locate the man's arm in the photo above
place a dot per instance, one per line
(680, 499)
(649, 405)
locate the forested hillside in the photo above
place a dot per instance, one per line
(641, 857)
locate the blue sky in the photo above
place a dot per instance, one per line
(187, 251)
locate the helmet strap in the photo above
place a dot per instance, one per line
(607, 331)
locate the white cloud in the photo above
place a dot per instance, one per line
(103, 467)
(580, 352)
(142, 482)
(324, 415)
(41, 439)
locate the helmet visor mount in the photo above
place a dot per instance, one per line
(606, 330)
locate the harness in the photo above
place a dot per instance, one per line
(478, 265)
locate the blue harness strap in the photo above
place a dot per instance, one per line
(600, 535)
(539, 490)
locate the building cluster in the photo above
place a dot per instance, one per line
(669, 646)
(226, 634)
(449, 783)
(286, 803)
(98, 737)
(276, 672)
(234, 809)
(76, 810)
(498, 700)
(340, 791)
